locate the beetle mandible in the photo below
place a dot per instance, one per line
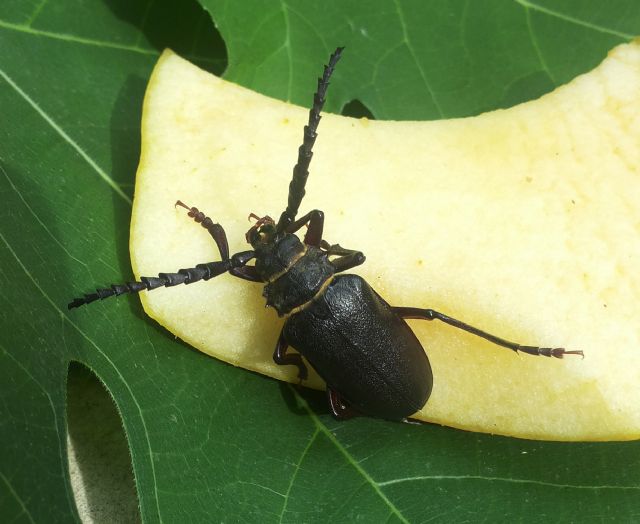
(371, 361)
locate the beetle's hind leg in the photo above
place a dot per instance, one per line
(347, 258)
(430, 314)
(282, 358)
(340, 409)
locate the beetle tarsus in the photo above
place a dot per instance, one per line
(548, 352)
(216, 231)
(573, 352)
(340, 409)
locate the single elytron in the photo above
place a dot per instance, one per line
(361, 346)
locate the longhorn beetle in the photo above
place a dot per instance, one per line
(371, 361)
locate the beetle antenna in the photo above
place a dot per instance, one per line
(183, 276)
(301, 169)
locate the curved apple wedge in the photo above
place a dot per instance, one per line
(523, 222)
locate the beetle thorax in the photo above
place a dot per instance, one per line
(275, 257)
(294, 273)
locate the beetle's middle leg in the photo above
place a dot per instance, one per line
(348, 258)
(216, 231)
(430, 314)
(282, 358)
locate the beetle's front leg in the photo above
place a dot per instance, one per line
(430, 314)
(219, 236)
(347, 258)
(315, 220)
(216, 231)
(281, 357)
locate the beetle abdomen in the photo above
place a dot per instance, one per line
(362, 349)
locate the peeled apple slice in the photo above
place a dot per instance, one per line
(523, 222)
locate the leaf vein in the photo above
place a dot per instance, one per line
(145, 430)
(35, 215)
(304, 453)
(536, 46)
(530, 5)
(503, 479)
(36, 13)
(15, 495)
(143, 22)
(287, 45)
(55, 418)
(350, 459)
(66, 137)
(414, 57)
(23, 28)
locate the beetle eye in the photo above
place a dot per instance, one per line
(265, 233)
(251, 235)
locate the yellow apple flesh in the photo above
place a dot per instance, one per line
(523, 222)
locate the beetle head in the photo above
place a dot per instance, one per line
(262, 232)
(275, 251)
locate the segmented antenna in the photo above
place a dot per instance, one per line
(301, 169)
(183, 276)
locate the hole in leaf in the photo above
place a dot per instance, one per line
(98, 453)
(357, 109)
(184, 26)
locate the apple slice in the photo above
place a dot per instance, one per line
(523, 222)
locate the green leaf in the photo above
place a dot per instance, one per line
(210, 442)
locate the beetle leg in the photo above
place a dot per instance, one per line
(339, 408)
(281, 357)
(348, 258)
(315, 220)
(246, 273)
(430, 314)
(215, 230)
(219, 235)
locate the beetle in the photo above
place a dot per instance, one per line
(370, 359)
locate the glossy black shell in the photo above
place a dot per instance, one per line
(362, 349)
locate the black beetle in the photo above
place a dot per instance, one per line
(361, 346)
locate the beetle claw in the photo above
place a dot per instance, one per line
(561, 352)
